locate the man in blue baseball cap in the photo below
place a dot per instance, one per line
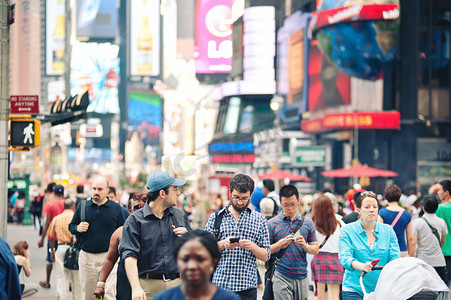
(149, 235)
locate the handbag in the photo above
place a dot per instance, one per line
(271, 264)
(71, 256)
(72, 253)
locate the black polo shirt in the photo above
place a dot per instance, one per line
(103, 221)
(151, 240)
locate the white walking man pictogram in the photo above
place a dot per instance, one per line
(28, 131)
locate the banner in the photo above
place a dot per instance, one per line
(55, 37)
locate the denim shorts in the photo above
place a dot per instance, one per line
(351, 296)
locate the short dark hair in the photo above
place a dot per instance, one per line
(69, 203)
(151, 196)
(288, 190)
(430, 203)
(269, 184)
(204, 237)
(49, 188)
(58, 194)
(112, 189)
(80, 189)
(446, 185)
(392, 193)
(242, 183)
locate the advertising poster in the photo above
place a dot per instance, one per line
(145, 112)
(97, 19)
(95, 67)
(327, 86)
(55, 37)
(145, 38)
(213, 34)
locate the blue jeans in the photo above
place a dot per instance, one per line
(351, 296)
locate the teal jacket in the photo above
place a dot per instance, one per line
(353, 245)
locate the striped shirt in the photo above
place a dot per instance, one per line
(59, 227)
(237, 268)
(293, 263)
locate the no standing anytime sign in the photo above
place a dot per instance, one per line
(25, 105)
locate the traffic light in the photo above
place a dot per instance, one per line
(25, 133)
(70, 109)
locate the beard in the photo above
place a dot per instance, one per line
(239, 208)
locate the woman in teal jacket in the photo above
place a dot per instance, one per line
(362, 242)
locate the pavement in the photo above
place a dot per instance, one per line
(29, 234)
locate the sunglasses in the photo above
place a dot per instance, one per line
(368, 193)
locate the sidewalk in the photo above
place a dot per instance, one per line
(18, 233)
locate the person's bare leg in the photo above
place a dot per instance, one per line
(321, 291)
(46, 284)
(334, 291)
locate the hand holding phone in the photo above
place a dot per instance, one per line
(375, 262)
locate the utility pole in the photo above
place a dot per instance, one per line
(4, 114)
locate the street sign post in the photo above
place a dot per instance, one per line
(25, 105)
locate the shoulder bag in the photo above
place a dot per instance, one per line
(72, 253)
(271, 267)
(434, 231)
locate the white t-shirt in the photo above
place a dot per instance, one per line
(331, 246)
(428, 247)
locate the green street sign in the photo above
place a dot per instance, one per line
(310, 156)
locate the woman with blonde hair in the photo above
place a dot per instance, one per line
(326, 267)
(22, 257)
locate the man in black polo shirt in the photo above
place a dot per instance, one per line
(149, 235)
(102, 218)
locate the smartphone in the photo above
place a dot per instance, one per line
(234, 240)
(375, 262)
(290, 237)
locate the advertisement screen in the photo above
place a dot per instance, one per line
(95, 67)
(145, 116)
(96, 19)
(213, 31)
(145, 38)
(55, 37)
(327, 86)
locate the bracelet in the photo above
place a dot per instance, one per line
(101, 284)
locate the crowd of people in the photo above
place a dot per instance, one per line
(148, 250)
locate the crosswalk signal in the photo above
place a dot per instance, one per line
(25, 133)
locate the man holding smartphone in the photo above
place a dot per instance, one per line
(242, 237)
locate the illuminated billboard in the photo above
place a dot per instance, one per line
(145, 111)
(55, 37)
(95, 67)
(145, 38)
(96, 19)
(213, 31)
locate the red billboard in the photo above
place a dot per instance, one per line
(213, 30)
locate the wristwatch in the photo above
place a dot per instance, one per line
(51, 250)
(101, 284)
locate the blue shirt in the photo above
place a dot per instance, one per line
(353, 245)
(175, 293)
(256, 197)
(237, 268)
(293, 263)
(103, 221)
(400, 227)
(151, 240)
(9, 277)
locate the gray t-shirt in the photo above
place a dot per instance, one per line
(428, 247)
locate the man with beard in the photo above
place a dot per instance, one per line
(242, 237)
(102, 218)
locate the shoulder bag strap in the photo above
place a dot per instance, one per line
(83, 210)
(397, 218)
(434, 230)
(282, 252)
(324, 242)
(218, 221)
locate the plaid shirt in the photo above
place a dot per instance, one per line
(59, 228)
(237, 268)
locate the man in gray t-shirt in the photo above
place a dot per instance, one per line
(428, 245)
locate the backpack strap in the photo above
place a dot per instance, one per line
(83, 211)
(218, 221)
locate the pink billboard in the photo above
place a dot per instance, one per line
(213, 28)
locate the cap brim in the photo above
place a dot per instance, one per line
(178, 182)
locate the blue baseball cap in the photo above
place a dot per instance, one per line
(160, 180)
(58, 189)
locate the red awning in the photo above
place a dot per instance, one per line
(281, 175)
(359, 171)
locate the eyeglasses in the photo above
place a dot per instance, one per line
(289, 205)
(236, 198)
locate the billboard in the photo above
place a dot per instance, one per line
(327, 86)
(95, 67)
(145, 113)
(55, 37)
(213, 34)
(145, 38)
(97, 19)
